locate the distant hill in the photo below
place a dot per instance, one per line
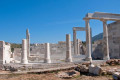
(97, 37)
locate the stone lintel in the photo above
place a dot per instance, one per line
(101, 15)
(79, 28)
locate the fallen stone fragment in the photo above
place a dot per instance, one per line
(117, 70)
(68, 74)
(96, 70)
(86, 63)
(116, 76)
(113, 62)
(104, 72)
(110, 72)
(82, 68)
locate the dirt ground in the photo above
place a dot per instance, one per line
(54, 76)
(49, 76)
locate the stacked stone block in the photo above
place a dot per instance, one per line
(114, 39)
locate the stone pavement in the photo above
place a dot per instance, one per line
(58, 63)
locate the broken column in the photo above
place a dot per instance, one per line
(68, 49)
(88, 41)
(74, 41)
(47, 53)
(105, 41)
(24, 59)
(28, 42)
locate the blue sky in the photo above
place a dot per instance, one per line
(50, 20)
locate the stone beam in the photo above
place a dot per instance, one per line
(79, 28)
(101, 16)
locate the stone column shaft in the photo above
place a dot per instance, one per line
(91, 39)
(68, 48)
(24, 59)
(2, 52)
(78, 46)
(105, 41)
(47, 53)
(28, 42)
(88, 42)
(74, 41)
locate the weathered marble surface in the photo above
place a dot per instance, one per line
(5, 52)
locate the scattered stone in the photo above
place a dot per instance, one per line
(96, 70)
(118, 62)
(104, 64)
(86, 63)
(113, 62)
(110, 72)
(82, 68)
(116, 76)
(117, 70)
(68, 74)
(104, 72)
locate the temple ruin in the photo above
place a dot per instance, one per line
(47, 55)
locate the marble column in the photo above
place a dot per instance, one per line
(47, 53)
(91, 39)
(28, 42)
(105, 41)
(24, 59)
(78, 46)
(68, 48)
(2, 52)
(88, 41)
(74, 41)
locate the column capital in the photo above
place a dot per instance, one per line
(74, 28)
(103, 20)
(86, 19)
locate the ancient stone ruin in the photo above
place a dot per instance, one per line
(62, 55)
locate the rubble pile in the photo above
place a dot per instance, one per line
(113, 62)
(82, 68)
(68, 74)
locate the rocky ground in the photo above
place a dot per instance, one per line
(81, 71)
(50, 76)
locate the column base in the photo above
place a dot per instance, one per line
(68, 60)
(24, 62)
(47, 61)
(106, 58)
(88, 59)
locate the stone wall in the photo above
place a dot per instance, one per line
(114, 43)
(97, 51)
(17, 55)
(114, 39)
(59, 48)
(37, 51)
